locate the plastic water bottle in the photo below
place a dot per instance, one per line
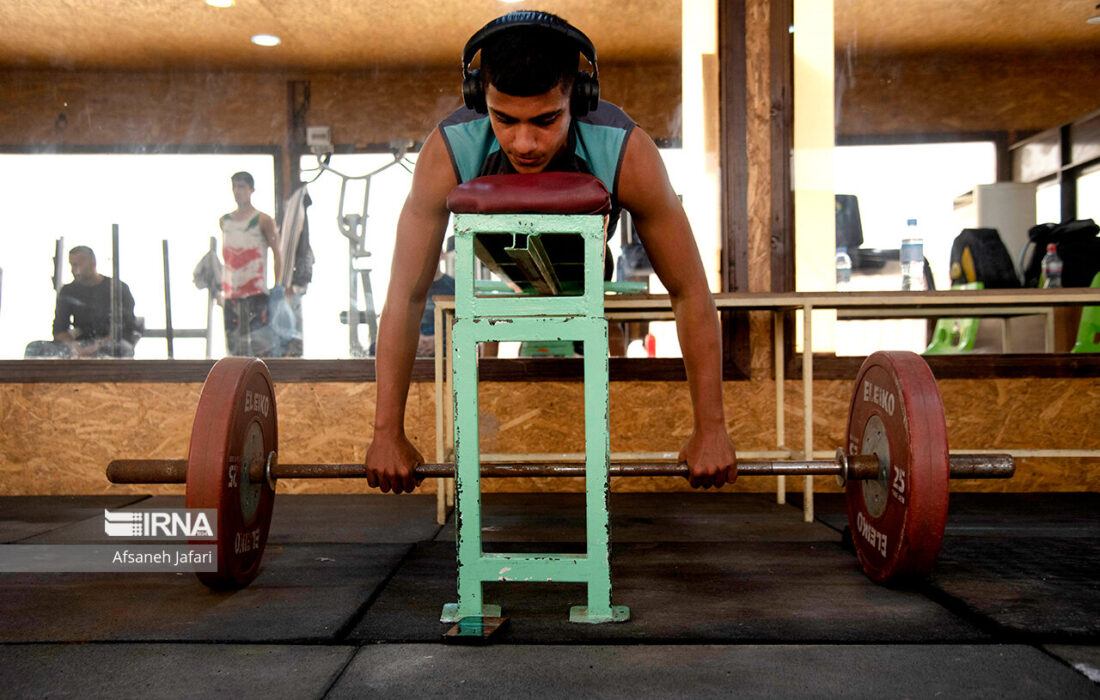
(912, 259)
(1052, 268)
(843, 270)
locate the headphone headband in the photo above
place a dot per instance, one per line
(528, 18)
(586, 88)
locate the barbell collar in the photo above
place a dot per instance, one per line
(147, 471)
(174, 471)
(982, 466)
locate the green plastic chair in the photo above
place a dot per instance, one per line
(953, 336)
(1088, 333)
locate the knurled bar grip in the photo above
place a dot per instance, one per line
(174, 471)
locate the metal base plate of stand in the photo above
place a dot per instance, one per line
(450, 612)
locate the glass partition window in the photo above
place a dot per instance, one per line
(370, 215)
(961, 90)
(1088, 195)
(894, 184)
(78, 197)
(179, 198)
(1048, 202)
(326, 302)
(138, 92)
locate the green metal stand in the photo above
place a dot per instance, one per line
(532, 251)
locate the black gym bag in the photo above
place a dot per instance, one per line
(1078, 246)
(979, 255)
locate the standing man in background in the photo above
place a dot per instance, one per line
(247, 233)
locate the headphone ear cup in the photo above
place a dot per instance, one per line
(586, 94)
(472, 94)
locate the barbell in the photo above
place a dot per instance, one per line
(843, 467)
(895, 468)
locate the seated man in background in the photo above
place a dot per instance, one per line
(82, 317)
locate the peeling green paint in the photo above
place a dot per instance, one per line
(512, 316)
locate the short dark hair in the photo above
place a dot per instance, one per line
(245, 177)
(529, 61)
(83, 250)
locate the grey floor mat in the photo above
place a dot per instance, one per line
(23, 517)
(689, 671)
(734, 592)
(1037, 588)
(304, 592)
(169, 670)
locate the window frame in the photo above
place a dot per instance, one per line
(829, 366)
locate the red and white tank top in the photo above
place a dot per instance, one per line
(244, 250)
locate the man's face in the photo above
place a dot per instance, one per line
(242, 192)
(531, 130)
(83, 268)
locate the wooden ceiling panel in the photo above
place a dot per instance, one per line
(316, 34)
(918, 26)
(350, 34)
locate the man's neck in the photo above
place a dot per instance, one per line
(94, 281)
(244, 211)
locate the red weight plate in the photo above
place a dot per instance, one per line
(897, 520)
(235, 425)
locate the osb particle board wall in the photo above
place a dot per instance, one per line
(234, 108)
(959, 92)
(150, 108)
(58, 438)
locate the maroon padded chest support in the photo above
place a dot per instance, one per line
(534, 193)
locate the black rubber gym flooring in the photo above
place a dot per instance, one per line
(730, 595)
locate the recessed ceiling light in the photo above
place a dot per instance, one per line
(220, 3)
(266, 40)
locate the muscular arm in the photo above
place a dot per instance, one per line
(267, 227)
(645, 191)
(420, 231)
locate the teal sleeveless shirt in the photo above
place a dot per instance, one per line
(597, 142)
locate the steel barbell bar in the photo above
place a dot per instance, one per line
(855, 467)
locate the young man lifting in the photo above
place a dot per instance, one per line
(530, 110)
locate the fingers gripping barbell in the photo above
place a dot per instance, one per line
(895, 467)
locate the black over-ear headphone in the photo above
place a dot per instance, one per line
(586, 87)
